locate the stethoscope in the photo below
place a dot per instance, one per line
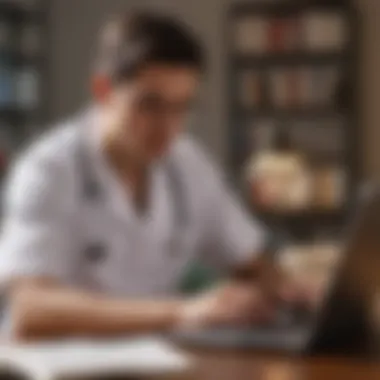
(92, 191)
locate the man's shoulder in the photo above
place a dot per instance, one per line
(50, 155)
(43, 171)
(56, 143)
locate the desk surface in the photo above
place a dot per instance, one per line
(258, 366)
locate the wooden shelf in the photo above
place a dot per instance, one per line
(314, 217)
(284, 8)
(13, 12)
(11, 112)
(292, 113)
(268, 87)
(17, 59)
(291, 59)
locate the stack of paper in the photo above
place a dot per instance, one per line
(74, 359)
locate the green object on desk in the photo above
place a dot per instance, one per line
(197, 278)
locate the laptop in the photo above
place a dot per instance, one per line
(341, 323)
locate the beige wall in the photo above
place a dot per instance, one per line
(74, 38)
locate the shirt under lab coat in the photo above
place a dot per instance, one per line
(101, 244)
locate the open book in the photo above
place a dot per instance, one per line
(84, 359)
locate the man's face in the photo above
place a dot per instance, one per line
(149, 111)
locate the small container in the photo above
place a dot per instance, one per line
(27, 89)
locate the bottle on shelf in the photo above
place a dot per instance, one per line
(27, 89)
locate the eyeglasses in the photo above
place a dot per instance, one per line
(155, 105)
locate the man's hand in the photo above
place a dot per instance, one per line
(234, 303)
(279, 287)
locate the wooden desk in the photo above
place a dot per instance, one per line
(257, 366)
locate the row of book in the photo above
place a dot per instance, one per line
(26, 41)
(310, 31)
(289, 87)
(322, 138)
(285, 182)
(19, 87)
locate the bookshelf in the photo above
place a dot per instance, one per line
(293, 114)
(23, 69)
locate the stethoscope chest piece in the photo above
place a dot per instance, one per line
(95, 253)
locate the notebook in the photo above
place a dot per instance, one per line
(84, 359)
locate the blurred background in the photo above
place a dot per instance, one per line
(289, 104)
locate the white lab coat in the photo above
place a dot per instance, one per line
(51, 230)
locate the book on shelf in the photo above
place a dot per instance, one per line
(324, 31)
(324, 84)
(283, 35)
(279, 88)
(303, 87)
(292, 34)
(250, 35)
(251, 88)
(318, 138)
(276, 35)
(312, 31)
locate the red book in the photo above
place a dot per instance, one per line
(276, 35)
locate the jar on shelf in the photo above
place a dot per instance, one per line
(27, 88)
(279, 179)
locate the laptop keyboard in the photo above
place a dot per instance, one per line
(290, 332)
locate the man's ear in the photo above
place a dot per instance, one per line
(100, 87)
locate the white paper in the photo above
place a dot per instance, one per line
(145, 356)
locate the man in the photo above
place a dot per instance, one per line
(106, 212)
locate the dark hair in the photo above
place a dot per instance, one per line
(130, 41)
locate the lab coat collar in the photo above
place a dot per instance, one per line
(116, 193)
